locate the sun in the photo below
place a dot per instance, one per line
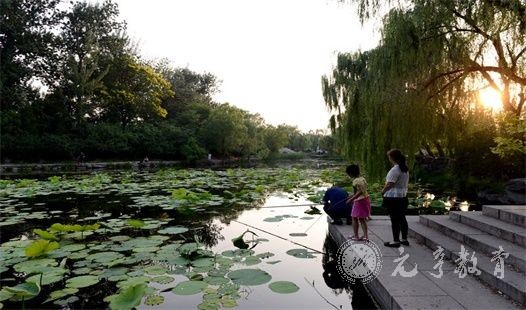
(491, 98)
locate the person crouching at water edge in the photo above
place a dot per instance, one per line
(334, 204)
(361, 203)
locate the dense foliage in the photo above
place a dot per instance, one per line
(418, 90)
(72, 82)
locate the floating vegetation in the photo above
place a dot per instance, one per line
(135, 247)
(249, 276)
(283, 287)
(301, 253)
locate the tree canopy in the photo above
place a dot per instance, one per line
(418, 89)
(72, 81)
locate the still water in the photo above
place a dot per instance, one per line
(320, 286)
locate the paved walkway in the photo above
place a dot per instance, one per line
(423, 291)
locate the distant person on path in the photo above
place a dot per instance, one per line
(144, 163)
(335, 204)
(395, 197)
(81, 158)
(360, 201)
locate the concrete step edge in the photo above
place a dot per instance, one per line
(451, 247)
(507, 214)
(476, 239)
(490, 225)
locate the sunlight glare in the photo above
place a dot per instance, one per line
(491, 98)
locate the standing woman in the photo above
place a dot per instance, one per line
(395, 197)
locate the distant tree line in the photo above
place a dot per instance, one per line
(72, 81)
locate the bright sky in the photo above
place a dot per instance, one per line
(269, 54)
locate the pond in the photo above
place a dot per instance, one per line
(205, 239)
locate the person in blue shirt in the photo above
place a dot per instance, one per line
(335, 205)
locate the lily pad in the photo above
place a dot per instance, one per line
(154, 300)
(82, 281)
(35, 266)
(61, 293)
(274, 262)
(283, 287)
(249, 276)
(273, 219)
(216, 280)
(73, 247)
(133, 281)
(23, 291)
(189, 287)
(163, 279)
(173, 230)
(228, 302)
(48, 277)
(300, 253)
(203, 262)
(128, 298)
(252, 260)
(155, 270)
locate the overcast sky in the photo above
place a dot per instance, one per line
(269, 54)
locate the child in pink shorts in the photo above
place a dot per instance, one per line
(361, 203)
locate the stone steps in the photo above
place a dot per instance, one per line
(424, 290)
(513, 284)
(476, 239)
(511, 214)
(492, 226)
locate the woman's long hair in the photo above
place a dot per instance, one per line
(399, 158)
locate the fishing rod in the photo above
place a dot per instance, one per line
(291, 206)
(295, 234)
(278, 236)
(303, 205)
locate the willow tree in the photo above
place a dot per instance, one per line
(418, 88)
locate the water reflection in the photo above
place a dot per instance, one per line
(360, 298)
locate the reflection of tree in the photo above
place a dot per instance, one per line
(330, 274)
(360, 298)
(208, 233)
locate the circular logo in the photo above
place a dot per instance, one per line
(359, 260)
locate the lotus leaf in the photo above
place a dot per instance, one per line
(133, 281)
(163, 279)
(228, 302)
(154, 300)
(23, 291)
(216, 280)
(135, 223)
(300, 253)
(41, 247)
(203, 262)
(155, 270)
(65, 302)
(35, 266)
(104, 257)
(173, 230)
(82, 281)
(283, 287)
(251, 260)
(189, 287)
(249, 276)
(51, 275)
(45, 234)
(61, 293)
(128, 297)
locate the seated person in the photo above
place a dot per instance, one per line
(335, 205)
